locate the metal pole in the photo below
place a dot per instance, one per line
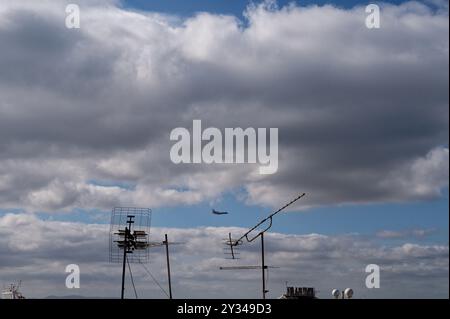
(166, 242)
(125, 251)
(263, 267)
(124, 262)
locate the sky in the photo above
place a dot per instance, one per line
(234, 7)
(362, 116)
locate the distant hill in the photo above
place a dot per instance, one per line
(76, 297)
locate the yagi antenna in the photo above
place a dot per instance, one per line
(268, 218)
(244, 267)
(234, 243)
(233, 247)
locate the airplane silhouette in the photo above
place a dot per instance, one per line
(218, 213)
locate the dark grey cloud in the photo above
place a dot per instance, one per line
(362, 114)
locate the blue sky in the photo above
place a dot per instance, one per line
(235, 7)
(358, 219)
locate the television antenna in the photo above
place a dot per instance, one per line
(234, 243)
(129, 243)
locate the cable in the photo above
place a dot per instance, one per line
(132, 280)
(156, 281)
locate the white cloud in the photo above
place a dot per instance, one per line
(37, 252)
(412, 233)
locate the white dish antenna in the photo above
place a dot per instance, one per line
(336, 293)
(348, 293)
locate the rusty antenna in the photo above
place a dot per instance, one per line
(234, 243)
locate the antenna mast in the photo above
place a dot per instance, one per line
(234, 243)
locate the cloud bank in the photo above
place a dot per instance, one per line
(38, 251)
(85, 114)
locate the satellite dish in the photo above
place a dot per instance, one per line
(336, 293)
(348, 292)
